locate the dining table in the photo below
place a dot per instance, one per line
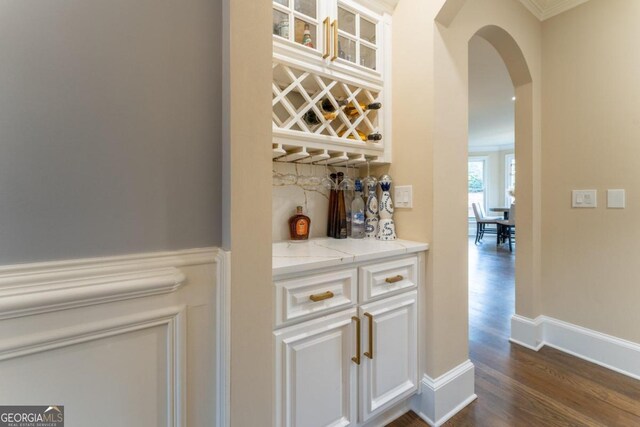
(505, 212)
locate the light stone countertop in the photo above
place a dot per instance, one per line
(296, 257)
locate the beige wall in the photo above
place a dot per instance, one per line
(430, 151)
(591, 119)
(248, 199)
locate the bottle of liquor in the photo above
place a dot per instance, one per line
(351, 110)
(306, 37)
(327, 109)
(299, 225)
(341, 218)
(376, 136)
(331, 215)
(357, 213)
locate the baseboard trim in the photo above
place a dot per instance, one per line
(605, 350)
(445, 396)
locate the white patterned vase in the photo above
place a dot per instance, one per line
(371, 210)
(386, 226)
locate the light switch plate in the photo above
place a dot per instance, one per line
(403, 196)
(616, 199)
(584, 198)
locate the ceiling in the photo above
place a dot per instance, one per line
(545, 9)
(491, 105)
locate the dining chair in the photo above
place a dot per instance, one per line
(507, 228)
(481, 223)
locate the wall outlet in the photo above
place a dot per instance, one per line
(403, 196)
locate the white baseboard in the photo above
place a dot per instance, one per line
(527, 332)
(605, 350)
(445, 396)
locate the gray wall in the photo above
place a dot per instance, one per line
(110, 114)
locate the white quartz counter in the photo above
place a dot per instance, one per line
(297, 257)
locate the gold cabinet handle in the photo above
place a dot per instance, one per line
(322, 296)
(356, 358)
(394, 279)
(369, 353)
(334, 26)
(327, 37)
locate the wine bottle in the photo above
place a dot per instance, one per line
(331, 215)
(351, 110)
(376, 136)
(327, 109)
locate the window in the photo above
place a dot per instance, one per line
(477, 184)
(510, 178)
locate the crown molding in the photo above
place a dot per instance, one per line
(542, 10)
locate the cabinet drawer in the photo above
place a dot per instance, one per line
(387, 278)
(309, 296)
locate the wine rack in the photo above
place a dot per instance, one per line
(297, 92)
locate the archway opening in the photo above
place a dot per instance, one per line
(501, 141)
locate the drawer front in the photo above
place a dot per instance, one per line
(310, 296)
(385, 278)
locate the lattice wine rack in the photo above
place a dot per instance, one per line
(297, 92)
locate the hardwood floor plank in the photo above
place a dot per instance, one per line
(520, 387)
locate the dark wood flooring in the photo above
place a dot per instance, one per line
(521, 387)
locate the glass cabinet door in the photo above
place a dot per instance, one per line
(298, 21)
(357, 37)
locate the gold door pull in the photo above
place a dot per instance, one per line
(369, 353)
(327, 37)
(322, 296)
(334, 26)
(394, 279)
(356, 358)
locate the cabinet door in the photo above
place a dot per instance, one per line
(389, 369)
(360, 33)
(315, 377)
(301, 22)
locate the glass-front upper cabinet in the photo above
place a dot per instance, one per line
(358, 36)
(338, 35)
(300, 21)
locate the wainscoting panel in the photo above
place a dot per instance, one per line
(127, 341)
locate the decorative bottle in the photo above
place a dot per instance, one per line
(333, 207)
(341, 223)
(357, 213)
(306, 37)
(299, 225)
(386, 227)
(371, 221)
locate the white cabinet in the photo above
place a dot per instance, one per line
(315, 376)
(389, 369)
(345, 35)
(346, 368)
(338, 52)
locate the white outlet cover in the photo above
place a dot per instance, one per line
(584, 198)
(403, 196)
(616, 199)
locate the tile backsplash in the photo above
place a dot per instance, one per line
(315, 201)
